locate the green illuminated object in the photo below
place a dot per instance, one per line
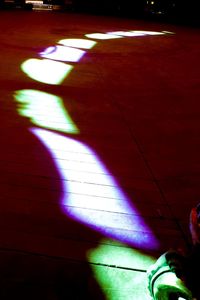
(124, 277)
(46, 71)
(45, 110)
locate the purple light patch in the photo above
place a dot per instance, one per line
(99, 203)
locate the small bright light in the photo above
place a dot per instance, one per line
(168, 32)
(103, 36)
(45, 70)
(63, 53)
(78, 43)
(45, 110)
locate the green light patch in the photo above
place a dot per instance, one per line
(46, 71)
(120, 271)
(45, 110)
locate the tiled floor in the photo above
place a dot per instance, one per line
(84, 214)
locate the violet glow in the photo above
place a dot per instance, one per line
(101, 205)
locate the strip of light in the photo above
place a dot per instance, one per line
(126, 226)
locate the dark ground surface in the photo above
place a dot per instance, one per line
(136, 103)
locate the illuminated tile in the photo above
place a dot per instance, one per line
(63, 53)
(119, 255)
(103, 36)
(78, 43)
(45, 70)
(44, 110)
(101, 215)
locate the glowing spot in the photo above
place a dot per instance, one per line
(127, 33)
(78, 43)
(45, 70)
(141, 32)
(45, 110)
(115, 281)
(63, 53)
(136, 33)
(100, 215)
(168, 32)
(103, 36)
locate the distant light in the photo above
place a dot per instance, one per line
(142, 32)
(134, 33)
(44, 110)
(168, 32)
(45, 70)
(152, 2)
(78, 43)
(102, 36)
(63, 53)
(125, 33)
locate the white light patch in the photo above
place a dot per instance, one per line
(78, 43)
(168, 32)
(45, 70)
(103, 36)
(96, 213)
(126, 33)
(141, 32)
(63, 53)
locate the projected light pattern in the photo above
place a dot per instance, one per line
(87, 185)
(90, 193)
(121, 34)
(45, 70)
(116, 281)
(78, 43)
(45, 110)
(127, 227)
(63, 53)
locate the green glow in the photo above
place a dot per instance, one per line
(45, 110)
(118, 283)
(45, 70)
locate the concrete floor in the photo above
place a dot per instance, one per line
(89, 225)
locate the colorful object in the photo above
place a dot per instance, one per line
(45, 110)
